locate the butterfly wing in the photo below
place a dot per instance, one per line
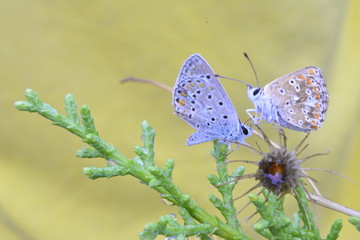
(200, 99)
(301, 99)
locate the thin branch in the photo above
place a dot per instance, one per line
(151, 82)
(322, 201)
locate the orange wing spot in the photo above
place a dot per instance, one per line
(312, 71)
(192, 84)
(183, 94)
(317, 116)
(201, 85)
(186, 88)
(182, 102)
(317, 106)
(315, 125)
(318, 97)
(308, 81)
(316, 89)
(301, 77)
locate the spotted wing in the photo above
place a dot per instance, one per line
(301, 99)
(200, 99)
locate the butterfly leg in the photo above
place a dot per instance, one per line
(281, 133)
(279, 128)
(254, 118)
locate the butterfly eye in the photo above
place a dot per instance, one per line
(244, 130)
(256, 91)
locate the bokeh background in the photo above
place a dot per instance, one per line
(85, 47)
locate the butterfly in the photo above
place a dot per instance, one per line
(298, 100)
(201, 101)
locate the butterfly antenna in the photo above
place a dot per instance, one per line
(233, 79)
(252, 66)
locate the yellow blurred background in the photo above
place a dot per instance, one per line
(85, 47)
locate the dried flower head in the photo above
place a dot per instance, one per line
(280, 171)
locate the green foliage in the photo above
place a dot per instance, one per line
(195, 220)
(356, 222)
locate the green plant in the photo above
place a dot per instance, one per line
(197, 222)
